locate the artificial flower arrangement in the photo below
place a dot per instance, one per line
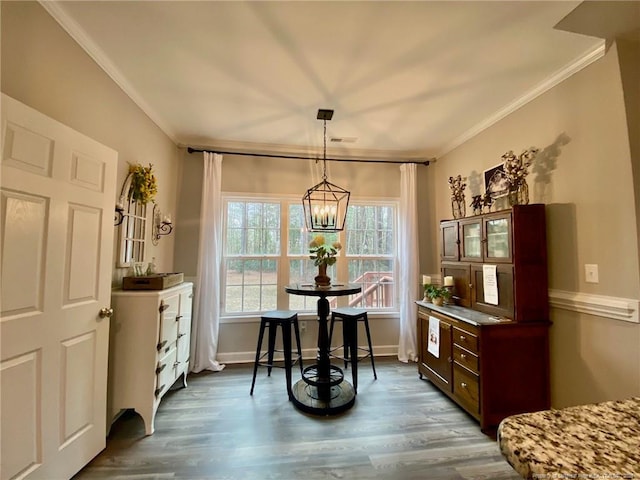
(516, 167)
(322, 253)
(457, 186)
(143, 183)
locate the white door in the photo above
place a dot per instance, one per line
(57, 213)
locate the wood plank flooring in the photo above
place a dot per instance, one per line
(400, 427)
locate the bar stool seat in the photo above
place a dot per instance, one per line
(271, 320)
(350, 316)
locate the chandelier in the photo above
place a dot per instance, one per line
(325, 204)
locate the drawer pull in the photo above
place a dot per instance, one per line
(163, 306)
(175, 364)
(463, 356)
(463, 385)
(463, 338)
(161, 344)
(180, 335)
(159, 390)
(178, 317)
(160, 368)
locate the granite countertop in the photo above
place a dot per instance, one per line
(599, 440)
(465, 314)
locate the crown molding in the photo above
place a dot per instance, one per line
(616, 308)
(100, 57)
(561, 75)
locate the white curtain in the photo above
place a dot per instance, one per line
(206, 318)
(409, 257)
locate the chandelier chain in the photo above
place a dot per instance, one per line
(324, 156)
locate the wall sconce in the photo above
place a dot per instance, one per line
(119, 216)
(161, 225)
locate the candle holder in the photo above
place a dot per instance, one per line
(448, 300)
(162, 225)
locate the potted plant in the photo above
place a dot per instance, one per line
(438, 295)
(323, 255)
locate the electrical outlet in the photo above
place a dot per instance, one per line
(303, 326)
(591, 273)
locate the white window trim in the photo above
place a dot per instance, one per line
(282, 297)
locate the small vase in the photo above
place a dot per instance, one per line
(322, 280)
(519, 195)
(458, 207)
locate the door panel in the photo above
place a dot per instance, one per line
(58, 191)
(19, 393)
(24, 219)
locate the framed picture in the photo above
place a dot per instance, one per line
(495, 182)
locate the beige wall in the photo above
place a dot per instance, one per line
(584, 175)
(47, 70)
(261, 175)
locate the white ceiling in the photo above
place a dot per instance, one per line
(406, 79)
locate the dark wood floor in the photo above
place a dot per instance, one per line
(400, 427)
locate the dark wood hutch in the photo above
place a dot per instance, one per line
(492, 356)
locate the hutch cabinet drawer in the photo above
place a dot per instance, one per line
(465, 339)
(465, 358)
(466, 387)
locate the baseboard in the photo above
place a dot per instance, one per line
(616, 308)
(308, 355)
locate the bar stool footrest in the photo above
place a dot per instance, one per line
(311, 376)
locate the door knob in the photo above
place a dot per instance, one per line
(105, 312)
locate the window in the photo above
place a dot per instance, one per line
(252, 254)
(370, 253)
(267, 247)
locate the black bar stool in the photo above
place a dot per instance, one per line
(285, 320)
(350, 317)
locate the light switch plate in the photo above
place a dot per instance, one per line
(591, 273)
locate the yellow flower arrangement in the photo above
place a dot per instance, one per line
(143, 183)
(322, 253)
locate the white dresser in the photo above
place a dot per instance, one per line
(149, 350)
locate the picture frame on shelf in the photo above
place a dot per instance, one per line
(495, 181)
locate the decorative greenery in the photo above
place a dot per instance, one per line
(322, 253)
(516, 167)
(143, 183)
(434, 291)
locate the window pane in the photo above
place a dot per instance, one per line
(234, 241)
(251, 298)
(233, 299)
(235, 215)
(254, 215)
(376, 277)
(251, 285)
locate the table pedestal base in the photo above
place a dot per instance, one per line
(339, 398)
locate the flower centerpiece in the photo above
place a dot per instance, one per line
(143, 187)
(515, 171)
(322, 255)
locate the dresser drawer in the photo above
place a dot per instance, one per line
(166, 371)
(466, 388)
(467, 340)
(169, 310)
(465, 358)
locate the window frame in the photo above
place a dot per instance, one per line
(282, 260)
